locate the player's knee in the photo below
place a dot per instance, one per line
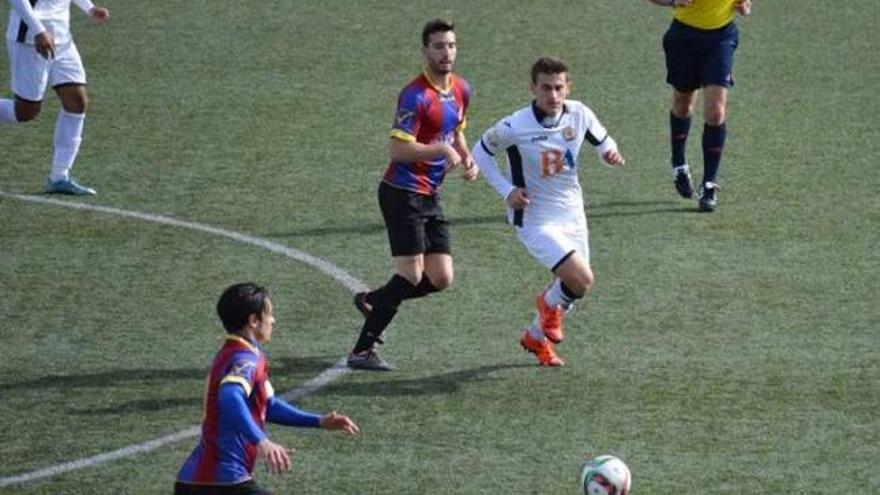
(76, 104)
(683, 105)
(682, 110)
(25, 112)
(716, 116)
(442, 281)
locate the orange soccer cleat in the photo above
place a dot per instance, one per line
(543, 350)
(550, 319)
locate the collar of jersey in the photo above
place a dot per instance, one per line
(438, 88)
(250, 345)
(539, 115)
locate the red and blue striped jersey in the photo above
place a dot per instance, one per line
(224, 454)
(427, 114)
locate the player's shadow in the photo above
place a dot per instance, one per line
(440, 384)
(299, 367)
(139, 406)
(305, 366)
(376, 227)
(108, 378)
(637, 208)
(119, 377)
(598, 210)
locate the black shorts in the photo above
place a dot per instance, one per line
(415, 222)
(696, 58)
(249, 487)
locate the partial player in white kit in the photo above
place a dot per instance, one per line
(41, 51)
(541, 143)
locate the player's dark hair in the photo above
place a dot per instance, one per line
(238, 302)
(436, 26)
(548, 65)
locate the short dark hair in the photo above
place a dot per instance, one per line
(238, 302)
(548, 65)
(436, 26)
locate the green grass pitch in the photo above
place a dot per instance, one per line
(736, 352)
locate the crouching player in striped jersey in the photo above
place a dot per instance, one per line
(239, 400)
(541, 142)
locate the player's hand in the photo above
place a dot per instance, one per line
(744, 7)
(453, 158)
(518, 198)
(470, 171)
(276, 457)
(614, 158)
(99, 15)
(44, 43)
(336, 421)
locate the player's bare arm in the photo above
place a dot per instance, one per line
(412, 151)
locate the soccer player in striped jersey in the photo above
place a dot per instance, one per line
(239, 400)
(699, 47)
(41, 51)
(541, 143)
(427, 141)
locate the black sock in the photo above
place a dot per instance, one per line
(373, 327)
(385, 301)
(678, 134)
(392, 293)
(713, 146)
(424, 288)
(568, 293)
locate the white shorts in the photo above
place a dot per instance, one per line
(551, 243)
(30, 72)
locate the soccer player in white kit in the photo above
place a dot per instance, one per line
(542, 142)
(41, 51)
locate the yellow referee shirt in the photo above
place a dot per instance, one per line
(706, 14)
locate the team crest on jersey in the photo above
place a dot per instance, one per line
(569, 133)
(404, 117)
(242, 369)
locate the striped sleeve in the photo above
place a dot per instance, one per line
(407, 119)
(242, 371)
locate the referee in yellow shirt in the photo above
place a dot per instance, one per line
(699, 47)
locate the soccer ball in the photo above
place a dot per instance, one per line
(606, 475)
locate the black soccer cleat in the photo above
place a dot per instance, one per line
(681, 176)
(708, 199)
(368, 360)
(360, 302)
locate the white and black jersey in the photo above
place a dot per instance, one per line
(28, 18)
(542, 155)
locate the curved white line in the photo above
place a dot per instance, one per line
(311, 386)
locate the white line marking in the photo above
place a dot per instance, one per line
(310, 387)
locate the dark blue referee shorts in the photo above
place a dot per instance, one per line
(697, 57)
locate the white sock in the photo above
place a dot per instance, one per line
(68, 136)
(535, 330)
(555, 297)
(7, 112)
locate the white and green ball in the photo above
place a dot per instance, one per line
(606, 475)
